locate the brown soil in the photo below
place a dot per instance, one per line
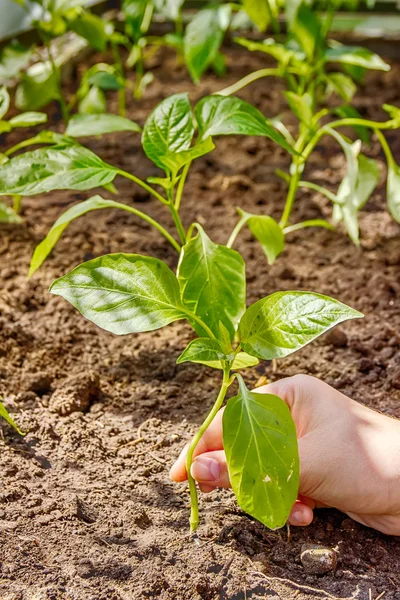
(88, 515)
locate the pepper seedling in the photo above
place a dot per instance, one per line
(129, 293)
(313, 67)
(6, 416)
(173, 137)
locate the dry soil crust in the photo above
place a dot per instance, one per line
(89, 514)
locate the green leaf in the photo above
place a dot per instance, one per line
(4, 413)
(169, 129)
(105, 80)
(57, 168)
(261, 450)
(13, 59)
(259, 12)
(220, 115)
(301, 107)
(4, 101)
(170, 9)
(94, 102)
(242, 361)
(212, 283)
(393, 112)
(354, 55)
(393, 190)
(38, 87)
(343, 85)
(368, 177)
(28, 119)
(134, 12)
(123, 293)
(7, 215)
(46, 246)
(267, 231)
(286, 321)
(203, 350)
(282, 53)
(203, 38)
(175, 161)
(99, 124)
(91, 27)
(306, 28)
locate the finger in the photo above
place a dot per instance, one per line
(211, 440)
(205, 488)
(301, 514)
(211, 469)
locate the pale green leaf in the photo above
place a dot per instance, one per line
(59, 167)
(91, 27)
(259, 12)
(4, 101)
(301, 107)
(203, 38)
(13, 59)
(203, 350)
(212, 283)
(220, 115)
(261, 449)
(38, 87)
(7, 215)
(393, 190)
(93, 103)
(267, 231)
(123, 293)
(98, 124)
(28, 119)
(354, 55)
(306, 28)
(286, 321)
(342, 84)
(169, 129)
(174, 161)
(6, 416)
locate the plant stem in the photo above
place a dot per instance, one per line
(181, 185)
(385, 147)
(120, 69)
(310, 223)
(361, 122)
(17, 203)
(232, 89)
(194, 510)
(291, 195)
(152, 222)
(178, 222)
(143, 185)
(57, 74)
(318, 188)
(239, 225)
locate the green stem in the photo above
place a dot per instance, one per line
(232, 89)
(350, 122)
(318, 188)
(385, 147)
(144, 186)
(120, 69)
(178, 222)
(152, 222)
(291, 196)
(57, 74)
(304, 224)
(194, 512)
(181, 185)
(17, 203)
(238, 227)
(30, 142)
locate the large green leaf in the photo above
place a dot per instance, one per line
(267, 231)
(99, 124)
(28, 119)
(212, 282)
(259, 12)
(354, 55)
(123, 293)
(203, 38)
(59, 167)
(261, 450)
(4, 101)
(38, 87)
(6, 416)
(169, 129)
(8, 215)
(220, 115)
(393, 190)
(46, 246)
(286, 321)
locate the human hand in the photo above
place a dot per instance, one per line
(349, 455)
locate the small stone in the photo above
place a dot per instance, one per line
(365, 365)
(336, 337)
(85, 512)
(317, 560)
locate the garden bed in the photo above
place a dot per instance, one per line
(86, 505)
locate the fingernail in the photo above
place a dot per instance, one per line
(205, 469)
(298, 517)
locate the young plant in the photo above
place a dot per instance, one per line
(305, 63)
(6, 416)
(129, 293)
(27, 119)
(169, 139)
